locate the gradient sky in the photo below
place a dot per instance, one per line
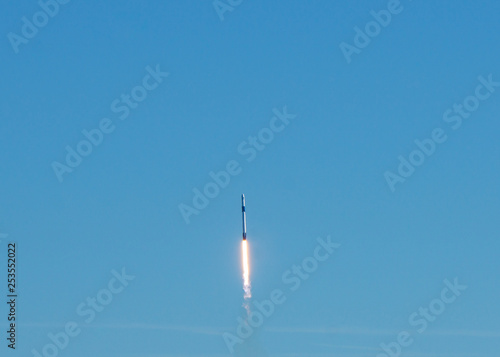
(323, 175)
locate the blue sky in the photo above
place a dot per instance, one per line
(323, 175)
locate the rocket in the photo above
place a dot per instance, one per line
(244, 217)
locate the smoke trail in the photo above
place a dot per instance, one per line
(247, 288)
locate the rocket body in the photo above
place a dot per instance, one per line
(244, 217)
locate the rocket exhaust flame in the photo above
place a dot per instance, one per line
(246, 275)
(246, 270)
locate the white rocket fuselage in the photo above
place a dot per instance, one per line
(244, 217)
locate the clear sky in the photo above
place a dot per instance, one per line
(338, 165)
